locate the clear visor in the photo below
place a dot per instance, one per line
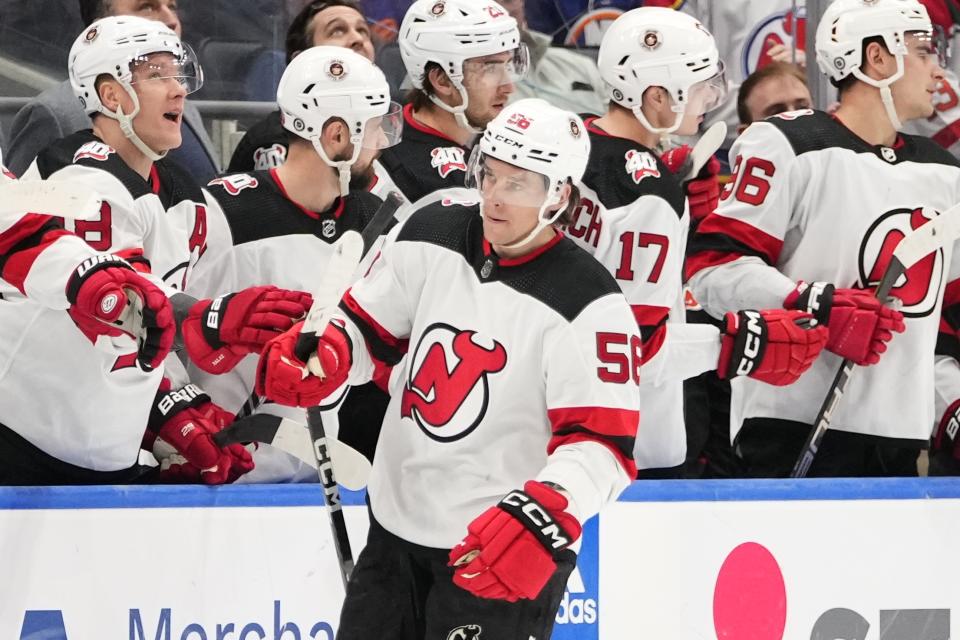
(384, 131)
(162, 66)
(502, 183)
(498, 69)
(706, 95)
(930, 47)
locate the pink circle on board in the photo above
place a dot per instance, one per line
(750, 598)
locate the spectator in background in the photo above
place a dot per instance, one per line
(56, 112)
(564, 78)
(776, 88)
(338, 23)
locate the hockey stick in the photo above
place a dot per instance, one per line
(337, 276)
(61, 198)
(912, 248)
(349, 465)
(706, 146)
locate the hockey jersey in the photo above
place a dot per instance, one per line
(811, 201)
(79, 403)
(259, 236)
(424, 161)
(633, 219)
(507, 370)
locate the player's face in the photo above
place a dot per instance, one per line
(161, 95)
(164, 11)
(511, 198)
(342, 27)
(777, 94)
(489, 81)
(913, 94)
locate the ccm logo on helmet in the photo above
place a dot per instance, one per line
(537, 519)
(499, 137)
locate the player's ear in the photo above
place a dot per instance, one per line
(877, 59)
(443, 86)
(335, 135)
(110, 92)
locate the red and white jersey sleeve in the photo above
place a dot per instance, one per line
(736, 248)
(503, 370)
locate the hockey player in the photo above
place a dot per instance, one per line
(633, 216)
(463, 57)
(279, 225)
(83, 421)
(337, 23)
(520, 381)
(816, 206)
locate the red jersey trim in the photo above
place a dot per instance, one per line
(527, 257)
(154, 180)
(338, 203)
(615, 429)
(411, 120)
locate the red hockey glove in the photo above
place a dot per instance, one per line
(179, 432)
(945, 447)
(108, 297)
(771, 345)
(219, 333)
(860, 327)
(703, 191)
(283, 378)
(509, 552)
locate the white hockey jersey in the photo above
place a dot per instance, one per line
(507, 370)
(811, 201)
(79, 403)
(633, 219)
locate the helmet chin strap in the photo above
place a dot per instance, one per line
(664, 132)
(886, 96)
(542, 223)
(459, 112)
(342, 166)
(126, 126)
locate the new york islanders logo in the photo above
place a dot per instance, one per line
(236, 183)
(447, 160)
(919, 288)
(780, 28)
(447, 391)
(640, 165)
(94, 150)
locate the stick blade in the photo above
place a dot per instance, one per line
(337, 276)
(62, 198)
(706, 146)
(941, 231)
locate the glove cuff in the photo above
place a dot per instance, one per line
(946, 437)
(816, 298)
(743, 344)
(210, 314)
(169, 403)
(87, 268)
(537, 518)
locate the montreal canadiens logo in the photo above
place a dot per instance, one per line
(447, 391)
(446, 160)
(919, 288)
(783, 28)
(640, 165)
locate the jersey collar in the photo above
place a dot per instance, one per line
(410, 120)
(336, 209)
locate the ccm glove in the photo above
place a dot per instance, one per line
(860, 327)
(286, 380)
(703, 191)
(108, 297)
(219, 333)
(180, 432)
(510, 551)
(772, 345)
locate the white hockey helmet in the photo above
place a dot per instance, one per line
(333, 82)
(448, 33)
(534, 135)
(659, 47)
(116, 46)
(845, 24)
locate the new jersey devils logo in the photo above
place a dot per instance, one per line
(467, 632)
(780, 28)
(236, 183)
(447, 392)
(640, 165)
(919, 287)
(93, 150)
